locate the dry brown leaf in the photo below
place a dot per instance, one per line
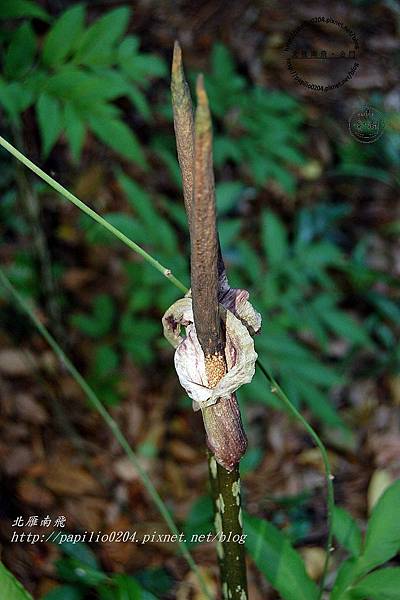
(380, 481)
(34, 494)
(182, 452)
(28, 409)
(314, 559)
(189, 588)
(17, 460)
(14, 363)
(65, 478)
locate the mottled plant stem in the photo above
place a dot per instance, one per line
(225, 490)
(225, 436)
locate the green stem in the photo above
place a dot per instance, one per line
(225, 491)
(112, 424)
(86, 209)
(276, 389)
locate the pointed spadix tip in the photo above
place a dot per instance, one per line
(201, 91)
(177, 59)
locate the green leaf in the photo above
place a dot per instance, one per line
(14, 9)
(10, 587)
(65, 592)
(139, 199)
(250, 460)
(62, 36)
(139, 101)
(119, 137)
(21, 52)
(81, 552)
(128, 48)
(199, 520)
(7, 101)
(127, 588)
(75, 130)
(105, 361)
(72, 570)
(346, 531)
(96, 44)
(382, 541)
(96, 234)
(345, 326)
(85, 90)
(229, 230)
(142, 67)
(228, 194)
(319, 403)
(155, 581)
(383, 584)
(100, 321)
(274, 238)
(344, 578)
(50, 121)
(278, 561)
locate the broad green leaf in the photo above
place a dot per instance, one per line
(346, 531)
(126, 224)
(382, 541)
(274, 239)
(127, 588)
(72, 570)
(20, 53)
(250, 460)
(50, 121)
(139, 101)
(199, 520)
(75, 130)
(96, 44)
(345, 326)
(222, 61)
(155, 581)
(105, 361)
(316, 372)
(20, 95)
(10, 587)
(388, 308)
(344, 579)
(228, 193)
(13, 9)
(81, 552)
(229, 231)
(225, 149)
(139, 199)
(84, 89)
(383, 584)
(319, 403)
(62, 36)
(100, 321)
(128, 48)
(7, 101)
(143, 67)
(278, 561)
(119, 137)
(65, 592)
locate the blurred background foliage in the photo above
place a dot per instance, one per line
(305, 225)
